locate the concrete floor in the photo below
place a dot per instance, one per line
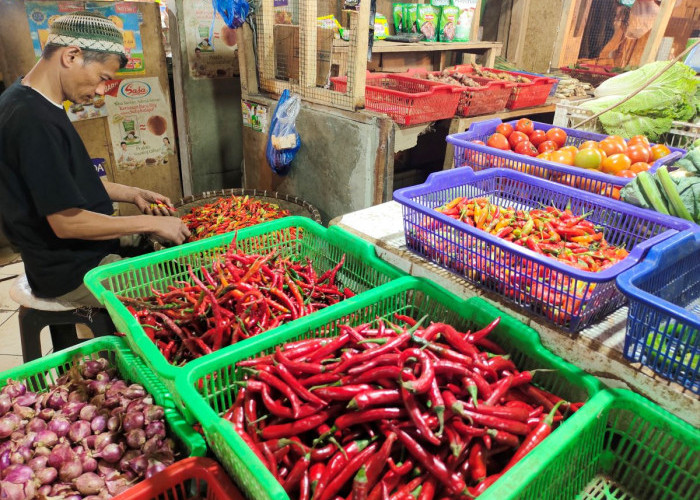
(10, 344)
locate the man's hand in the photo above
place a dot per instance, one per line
(152, 203)
(171, 229)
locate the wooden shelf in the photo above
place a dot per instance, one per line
(384, 47)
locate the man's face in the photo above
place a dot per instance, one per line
(83, 80)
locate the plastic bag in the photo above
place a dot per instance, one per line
(283, 141)
(233, 12)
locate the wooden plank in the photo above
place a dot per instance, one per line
(308, 39)
(657, 31)
(381, 163)
(246, 61)
(490, 56)
(518, 30)
(567, 18)
(504, 20)
(266, 42)
(357, 69)
(180, 72)
(383, 47)
(475, 21)
(542, 26)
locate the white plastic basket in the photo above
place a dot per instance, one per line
(568, 114)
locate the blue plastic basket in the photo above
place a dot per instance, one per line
(478, 157)
(571, 298)
(663, 325)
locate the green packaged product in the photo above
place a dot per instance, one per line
(409, 18)
(398, 17)
(448, 23)
(439, 3)
(427, 21)
(465, 17)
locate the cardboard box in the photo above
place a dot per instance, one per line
(287, 53)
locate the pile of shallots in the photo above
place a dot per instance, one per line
(90, 436)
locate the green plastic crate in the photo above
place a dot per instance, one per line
(292, 236)
(208, 387)
(37, 375)
(627, 448)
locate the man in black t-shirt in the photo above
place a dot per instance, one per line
(53, 205)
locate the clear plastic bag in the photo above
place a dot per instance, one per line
(233, 12)
(283, 140)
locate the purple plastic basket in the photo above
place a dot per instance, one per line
(478, 157)
(571, 298)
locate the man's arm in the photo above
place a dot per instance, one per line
(142, 198)
(82, 224)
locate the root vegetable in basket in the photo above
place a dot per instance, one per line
(453, 78)
(390, 408)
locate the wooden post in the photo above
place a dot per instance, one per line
(359, 23)
(308, 45)
(475, 22)
(657, 31)
(246, 61)
(567, 16)
(267, 47)
(517, 30)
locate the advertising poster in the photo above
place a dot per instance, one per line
(139, 124)
(211, 48)
(254, 116)
(86, 111)
(125, 15)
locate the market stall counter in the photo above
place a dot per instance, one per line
(598, 348)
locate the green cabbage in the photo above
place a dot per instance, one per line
(652, 111)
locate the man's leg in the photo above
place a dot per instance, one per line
(81, 296)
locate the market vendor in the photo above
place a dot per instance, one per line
(53, 205)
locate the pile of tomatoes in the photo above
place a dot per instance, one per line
(613, 155)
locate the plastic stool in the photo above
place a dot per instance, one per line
(61, 318)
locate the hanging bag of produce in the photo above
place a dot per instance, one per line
(233, 12)
(283, 141)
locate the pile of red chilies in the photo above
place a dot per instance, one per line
(391, 412)
(242, 296)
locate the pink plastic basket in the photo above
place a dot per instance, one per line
(407, 100)
(491, 97)
(523, 95)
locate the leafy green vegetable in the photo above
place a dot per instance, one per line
(671, 192)
(690, 162)
(652, 111)
(689, 192)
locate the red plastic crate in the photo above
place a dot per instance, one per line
(492, 97)
(590, 73)
(407, 100)
(193, 478)
(523, 95)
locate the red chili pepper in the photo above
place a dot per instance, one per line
(360, 485)
(452, 481)
(477, 464)
(376, 397)
(534, 438)
(370, 415)
(296, 474)
(294, 428)
(342, 392)
(416, 415)
(349, 470)
(422, 383)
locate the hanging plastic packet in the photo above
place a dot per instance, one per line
(233, 12)
(283, 141)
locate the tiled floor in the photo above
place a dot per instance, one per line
(10, 344)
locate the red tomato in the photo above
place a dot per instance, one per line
(659, 151)
(615, 164)
(564, 157)
(588, 144)
(640, 167)
(627, 173)
(611, 147)
(556, 135)
(525, 148)
(639, 152)
(538, 137)
(525, 126)
(498, 141)
(515, 138)
(547, 146)
(505, 129)
(637, 139)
